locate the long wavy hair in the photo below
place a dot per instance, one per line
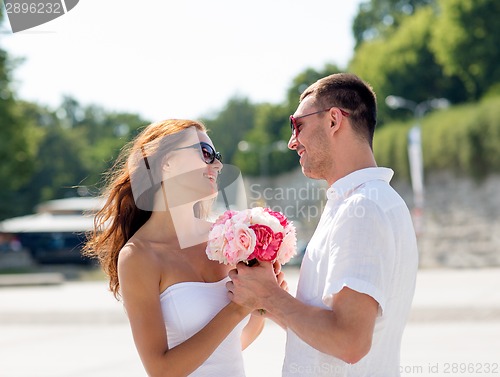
(123, 214)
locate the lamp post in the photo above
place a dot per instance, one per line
(415, 149)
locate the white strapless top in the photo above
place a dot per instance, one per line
(187, 307)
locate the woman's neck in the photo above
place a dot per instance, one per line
(178, 224)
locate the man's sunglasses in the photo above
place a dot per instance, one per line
(293, 120)
(208, 152)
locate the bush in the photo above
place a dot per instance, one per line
(390, 147)
(463, 139)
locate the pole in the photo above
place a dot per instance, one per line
(417, 176)
(415, 150)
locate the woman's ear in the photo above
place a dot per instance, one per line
(165, 165)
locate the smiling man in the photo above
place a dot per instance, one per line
(358, 274)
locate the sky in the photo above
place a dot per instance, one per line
(178, 59)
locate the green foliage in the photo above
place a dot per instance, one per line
(484, 133)
(230, 125)
(409, 48)
(18, 144)
(264, 156)
(465, 40)
(18, 141)
(59, 167)
(55, 152)
(269, 133)
(403, 65)
(303, 80)
(463, 139)
(390, 148)
(105, 134)
(263, 127)
(445, 139)
(377, 18)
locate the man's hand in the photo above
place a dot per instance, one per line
(253, 286)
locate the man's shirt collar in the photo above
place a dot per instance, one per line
(345, 185)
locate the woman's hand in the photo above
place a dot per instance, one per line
(280, 276)
(281, 281)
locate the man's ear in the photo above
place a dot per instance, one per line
(333, 118)
(334, 126)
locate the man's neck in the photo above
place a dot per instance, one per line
(360, 158)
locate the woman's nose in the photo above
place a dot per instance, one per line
(217, 166)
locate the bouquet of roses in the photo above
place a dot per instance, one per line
(257, 234)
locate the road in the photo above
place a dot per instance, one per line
(76, 329)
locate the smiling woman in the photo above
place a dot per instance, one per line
(150, 238)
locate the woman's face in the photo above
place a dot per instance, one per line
(191, 170)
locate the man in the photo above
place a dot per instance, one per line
(357, 277)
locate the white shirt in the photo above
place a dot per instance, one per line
(365, 241)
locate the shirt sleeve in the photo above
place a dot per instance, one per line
(361, 252)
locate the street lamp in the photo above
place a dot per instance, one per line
(418, 109)
(264, 151)
(415, 149)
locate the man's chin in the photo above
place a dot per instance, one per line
(309, 174)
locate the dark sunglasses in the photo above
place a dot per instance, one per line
(293, 120)
(208, 152)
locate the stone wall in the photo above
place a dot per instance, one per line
(461, 221)
(461, 217)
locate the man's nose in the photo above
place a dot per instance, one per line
(292, 143)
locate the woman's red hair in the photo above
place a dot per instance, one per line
(120, 217)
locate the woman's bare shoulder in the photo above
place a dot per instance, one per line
(136, 254)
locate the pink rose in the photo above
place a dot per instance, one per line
(225, 216)
(267, 244)
(241, 243)
(289, 246)
(216, 243)
(257, 233)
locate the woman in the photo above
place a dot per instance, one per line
(150, 239)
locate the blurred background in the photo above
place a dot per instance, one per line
(77, 89)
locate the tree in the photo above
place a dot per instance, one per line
(271, 129)
(75, 146)
(105, 134)
(230, 125)
(377, 18)
(465, 40)
(18, 141)
(303, 80)
(267, 153)
(402, 64)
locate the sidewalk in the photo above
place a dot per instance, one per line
(79, 330)
(42, 278)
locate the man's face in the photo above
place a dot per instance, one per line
(311, 140)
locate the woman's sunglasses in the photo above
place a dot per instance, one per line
(208, 152)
